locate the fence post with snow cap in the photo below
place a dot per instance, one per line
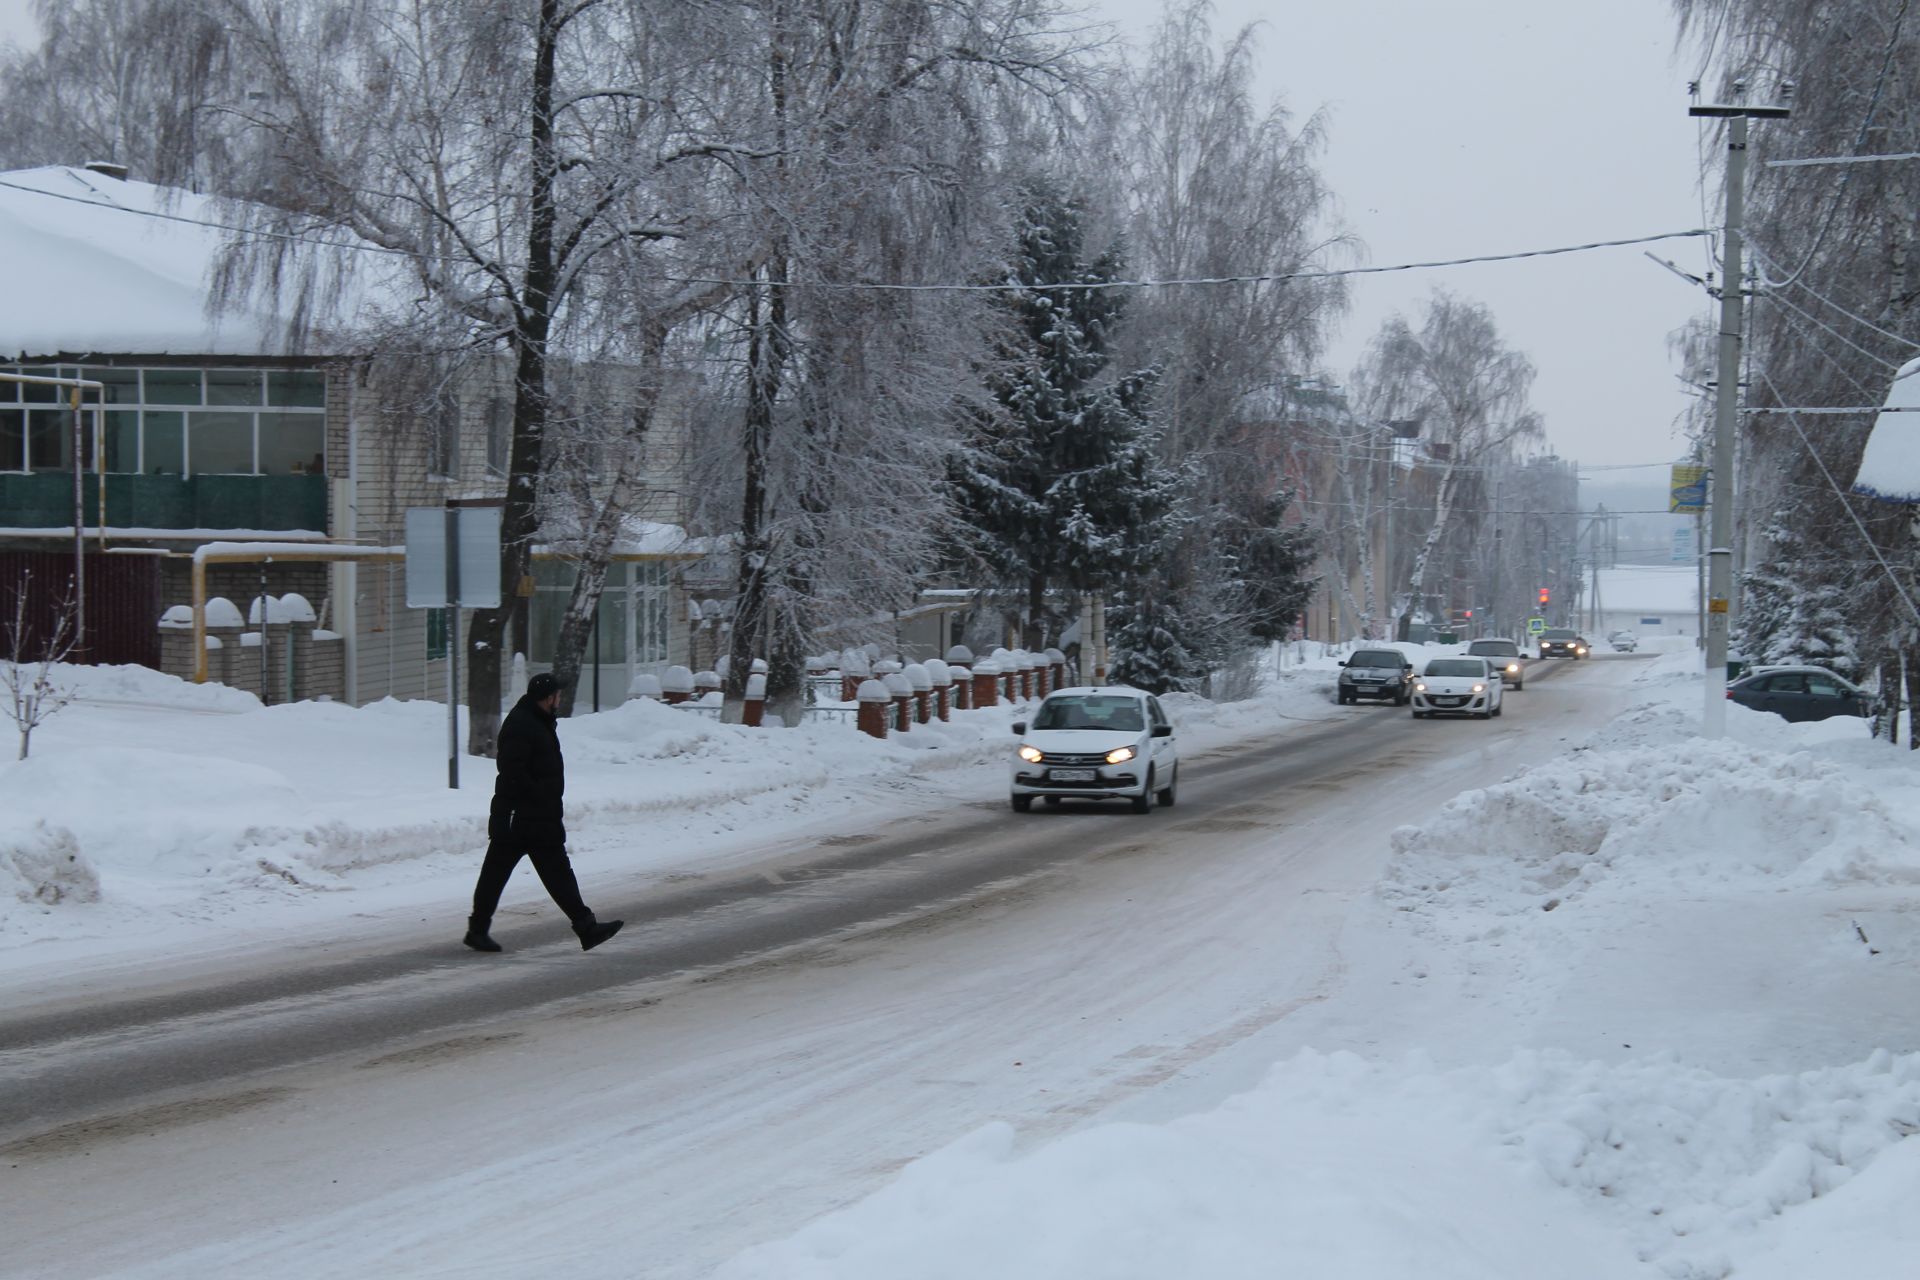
(901, 690)
(855, 670)
(755, 704)
(986, 683)
(875, 703)
(922, 681)
(706, 682)
(962, 688)
(1056, 669)
(942, 676)
(676, 685)
(646, 685)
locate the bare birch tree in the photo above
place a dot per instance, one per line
(27, 671)
(1469, 391)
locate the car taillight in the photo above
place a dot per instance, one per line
(1729, 694)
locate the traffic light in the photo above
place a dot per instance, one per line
(1468, 615)
(1543, 595)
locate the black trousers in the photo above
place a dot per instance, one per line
(544, 843)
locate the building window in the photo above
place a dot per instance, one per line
(220, 443)
(254, 422)
(13, 440)
(652, 619)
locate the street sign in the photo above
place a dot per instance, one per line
(453, 562)
(478, 538)
(1687, 490)
(1683, 546)
(1536, 625)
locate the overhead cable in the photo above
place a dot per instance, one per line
(1840, 493)
(361, 246)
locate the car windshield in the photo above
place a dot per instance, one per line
(1557, 633)
(1494, 648)
(1456, 667)
(1091, 711)
(1376, 658)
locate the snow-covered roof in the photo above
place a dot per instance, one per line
(1890, 467)
(1649, 589)
(101, 264)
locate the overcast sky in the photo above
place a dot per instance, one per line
(1489, 126)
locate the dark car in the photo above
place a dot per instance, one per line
(1559, 642)
(1505, 657)
(1382, 674)
(1801, 693)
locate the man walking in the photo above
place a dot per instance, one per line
(526, 819)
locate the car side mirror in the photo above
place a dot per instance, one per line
(1163, 731)
(1409, 668)
(1343, 662)
(1019, 727)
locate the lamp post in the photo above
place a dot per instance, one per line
(1713, 723)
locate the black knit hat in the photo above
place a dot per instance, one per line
(542, 687)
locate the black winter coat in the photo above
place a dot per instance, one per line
(532, 776)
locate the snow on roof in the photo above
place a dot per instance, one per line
(1650, 589)
(1890, 467)
(100, 264)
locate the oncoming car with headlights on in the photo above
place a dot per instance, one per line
(1457, 687)
(1505, 657)
(1106, 742)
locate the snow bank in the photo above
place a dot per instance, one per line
(1695, 816)
(1336, 1166)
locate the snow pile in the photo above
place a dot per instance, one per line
(1336, 1166)
(1596, 818)
(144, 685)
(42, 864)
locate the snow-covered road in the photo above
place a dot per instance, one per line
(654, 1114)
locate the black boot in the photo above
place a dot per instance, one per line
(477, 935)
(594, 932)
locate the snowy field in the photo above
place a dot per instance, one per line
(1647, 1007)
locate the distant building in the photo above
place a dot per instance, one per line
(1648, 600)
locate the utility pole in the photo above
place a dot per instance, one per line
(1713, 723)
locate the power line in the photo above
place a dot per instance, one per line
(1833, 484)
(1835, 334)
(1271, 277)
(361, 246)
(1853, 316)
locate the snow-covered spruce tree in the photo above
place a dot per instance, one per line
(1790, 615)
(1144, 631)
(1061, 485)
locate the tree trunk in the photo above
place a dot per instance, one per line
(533, 324)
(1423, 563)
(766, 358)
(1033, 636)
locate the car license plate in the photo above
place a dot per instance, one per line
(1070, 775)
(1448, 702)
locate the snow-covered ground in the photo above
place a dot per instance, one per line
(150, 808)
(1647, 1007)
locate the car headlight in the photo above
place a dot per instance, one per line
(1479, 688)
(1579, 648)
(1032, 755)
(1418, 687)
(1119, 755)
(1512, 668)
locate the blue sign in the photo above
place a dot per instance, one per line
(1651, 622)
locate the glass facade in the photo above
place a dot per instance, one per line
(635, 617)
(173, 421)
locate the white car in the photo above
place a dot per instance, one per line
(1096, 743)
(1457, 687)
